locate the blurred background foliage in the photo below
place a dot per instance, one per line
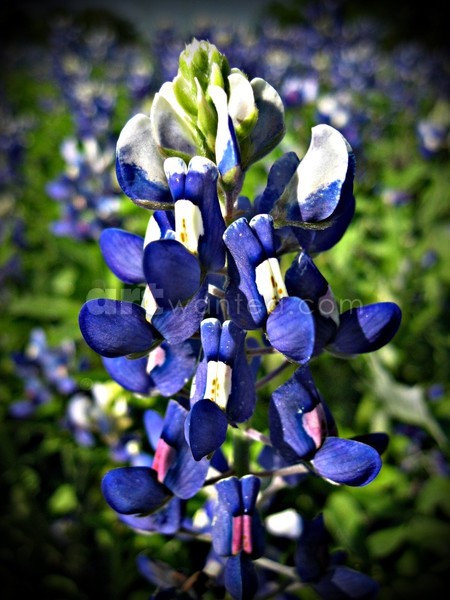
(70, 76)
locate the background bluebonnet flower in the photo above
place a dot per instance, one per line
(101, 415)
(86, 191)
(45, 371)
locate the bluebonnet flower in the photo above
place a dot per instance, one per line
(223, 388)
(362, 329)
(303, 429)
(186, 162)
(322, 185)
(141, 490)
(87, 190)
(101, 414)
(175, 268)
(433, 132)
(238, 533)
(208, 110)
(298, 91)
(324, 571)
(256, 293)
(79, 56)
(45, 371)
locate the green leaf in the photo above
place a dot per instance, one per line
(346, 520)
(63, 500)
(432, 534)
(44, 307)
(384, 542)
(434, 495)
(405, 403)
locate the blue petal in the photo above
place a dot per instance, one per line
(320, 240)
(250, 486)
(166, 222)
(347, 462)
(134, 490)
(247, 313)
(232, 341)
(270, 126)
(342, 582)
(211, 330)
(303, 279)
(182, 322)
(246, 253)
(139, 165)
(114, 328)
(323, 179)
(175, 170)
(171, 271)
(207, 428)
(201, 189)
(241, 579)
(166, 520)
(153, 423)
(175, 365)
(262, 225)
(297, 418)
(131, 374)
(366, 328)
(311, 550)
(229, 504)
(186, 475)
(244, 245)
(173, 426)
(280, 174)
(123, 253)
(242, 399)
(290, 329)
(198, 391)
(219, 462)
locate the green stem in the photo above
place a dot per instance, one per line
(241, 453)
(267, 378)
(259, 351)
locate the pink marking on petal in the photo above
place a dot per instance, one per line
(236, 539)
(314, 423)
(156, 358)
(247, 543)
(163, 459)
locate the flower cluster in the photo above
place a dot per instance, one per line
(219, 290)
